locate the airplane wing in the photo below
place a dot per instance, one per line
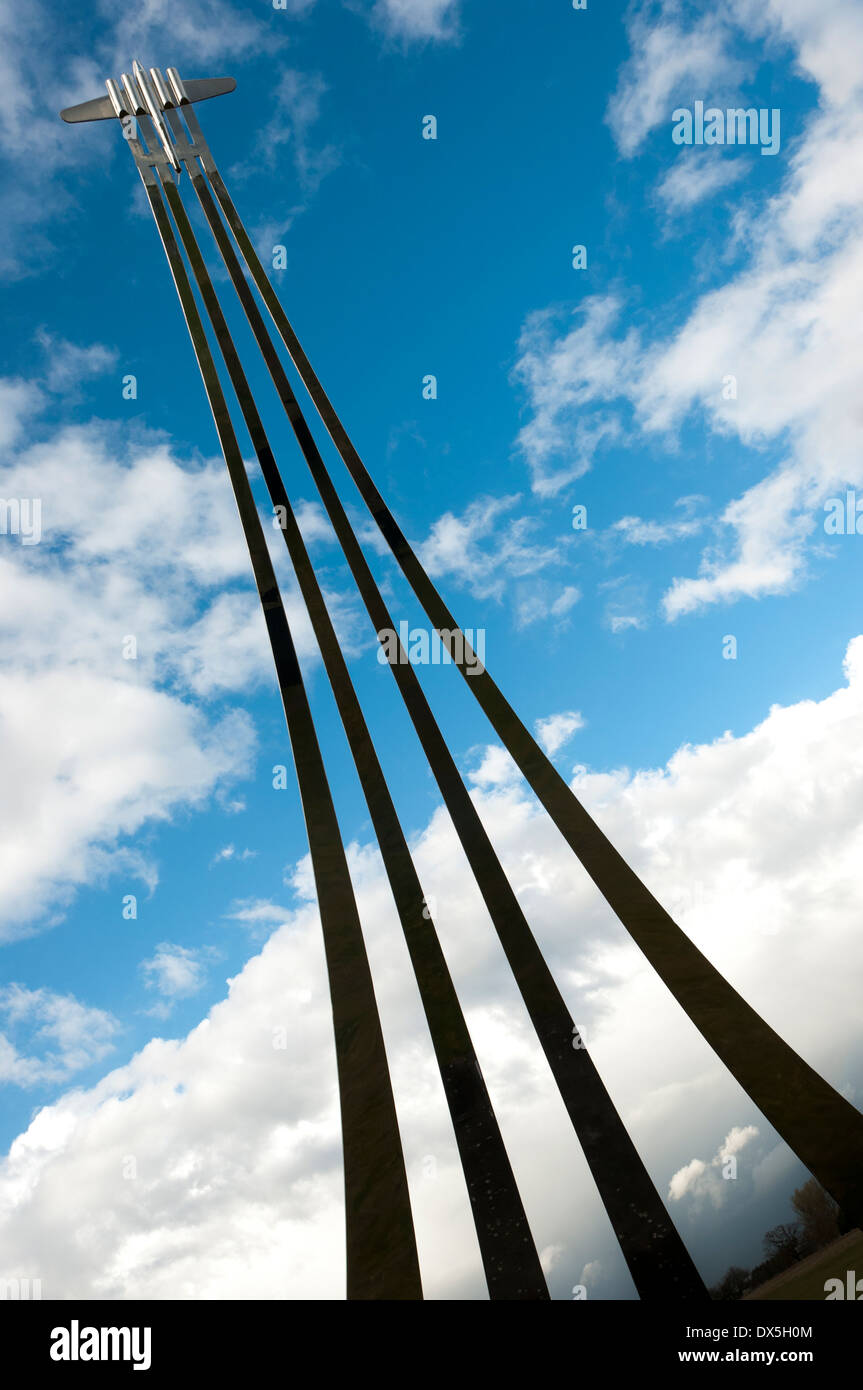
(100, 108)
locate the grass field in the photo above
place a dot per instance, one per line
(805, 1281)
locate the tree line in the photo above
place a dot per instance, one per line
(817, 1225)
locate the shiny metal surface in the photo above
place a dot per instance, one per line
(175, 82)
(133, 97)
(152, 105)
(196, 89)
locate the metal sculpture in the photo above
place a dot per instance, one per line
(824, 1129)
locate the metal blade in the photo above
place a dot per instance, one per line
(512, 1264)
(658, 1260)
(823, 1128)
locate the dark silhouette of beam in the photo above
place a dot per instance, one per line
(382, 1258)
(823, 1129)
(510, 1259)
(657, 1258)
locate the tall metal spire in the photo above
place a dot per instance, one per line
(820, 1125)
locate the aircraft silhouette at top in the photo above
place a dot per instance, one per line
(143, 95)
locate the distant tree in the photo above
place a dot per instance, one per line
(733, 1284)
(818, 1213)
(783, 1242)
(782, 1246)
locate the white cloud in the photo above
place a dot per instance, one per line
(137, 547)
(202, 32)
(314, 523)
(80, 1035)
(754, 844)
(231, 852)
(257, 913)
(418, 19)
(67, 364)
(556, 730)
(634, 531)
(483, 549)
(671, 59)
(227, 648)
(116, 561)
(691, 179)
(496, 768)
(826, 37)
(175, 971)
(540, 599)
(784, 326)
(295, 105)
(564, 375)
(685, 1178)
(549, 1257)
(297, 109)
(707, 1180)
(122, 754)
(19, 400)
(591, 1273)
(626, 605)
(737, 1139)
(565, 600)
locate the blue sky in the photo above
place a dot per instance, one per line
(600, 386)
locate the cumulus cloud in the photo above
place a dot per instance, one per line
(709, 1180)
(685, 1178)
(89, 613)
(737, 1139)
(557, 729)
(125, 620)
(753, 842)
